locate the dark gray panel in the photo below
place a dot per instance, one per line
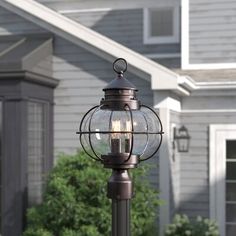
(13, 160)
(15, 92)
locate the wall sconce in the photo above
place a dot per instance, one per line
(182, 139)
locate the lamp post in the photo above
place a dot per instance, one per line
(120, 133)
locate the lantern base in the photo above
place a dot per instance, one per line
(120, 161)
(120, 185)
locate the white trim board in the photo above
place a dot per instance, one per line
(208, 66)
(161, 77)
(162, 55)
(217, 170)
(74, 11)
(209, 111)
(164, 170)
(184, 33)
(168, 102)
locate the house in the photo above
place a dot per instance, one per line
(181, 55)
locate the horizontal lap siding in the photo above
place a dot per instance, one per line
(11, 23)
(123, 26)
(194, 165)
(82, 76)
(60, 5)
(212, 31)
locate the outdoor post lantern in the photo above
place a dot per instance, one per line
(182, 138)
(120, 133)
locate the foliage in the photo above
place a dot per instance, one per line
(183, 226)
(75, 201)
(37, 232)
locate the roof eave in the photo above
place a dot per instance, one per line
(161, 77)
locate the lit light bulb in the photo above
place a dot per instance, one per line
(116, 127)
(115, 137)
(128, 127)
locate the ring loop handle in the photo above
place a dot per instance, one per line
(118, 64)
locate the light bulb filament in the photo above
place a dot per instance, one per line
(116, 137)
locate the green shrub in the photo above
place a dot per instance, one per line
(37, 232)
(183, 226)
(75, 201)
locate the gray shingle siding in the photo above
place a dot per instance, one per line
(123, 26)
(212, 31)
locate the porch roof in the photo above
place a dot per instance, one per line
(20, 57)
(23, 53)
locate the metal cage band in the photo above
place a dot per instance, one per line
(161, 133)
(132, 132)
(90, 141)
(81, 133)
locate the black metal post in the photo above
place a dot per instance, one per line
(120, 217)
(120, 190)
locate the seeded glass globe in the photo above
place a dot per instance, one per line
(134, 132)
(120, 126)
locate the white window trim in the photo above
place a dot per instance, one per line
(184, 34)
(217, 169)
(147, 39)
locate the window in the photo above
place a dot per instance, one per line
(222, 176)
(230, 210)
(161, 25)
(36, 151)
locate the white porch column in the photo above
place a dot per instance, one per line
(164, 170)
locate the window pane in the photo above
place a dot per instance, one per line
(230, 212)
(231, 149)
(231, 170)
(230, 230)
(161, 22)
(36, 132)
(230, 191)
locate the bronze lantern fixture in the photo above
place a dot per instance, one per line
(120, 133)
